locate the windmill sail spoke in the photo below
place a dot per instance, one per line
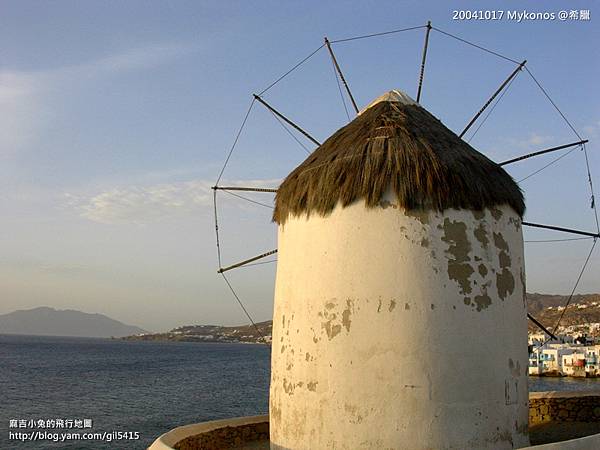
(247, 261)
(565, 230)
(242, 188)
(540, 326)
(491, 99)
(542, 152)
(422, 73)
(339, 71)
(285, 119)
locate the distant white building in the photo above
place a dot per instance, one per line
(538, 339)
(573, 365)
(591, 361)
(548, 360)
(558, 359)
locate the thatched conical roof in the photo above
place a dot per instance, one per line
(396, 143)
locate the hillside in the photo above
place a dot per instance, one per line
(46, 321)
(212, 333)
(583, 310)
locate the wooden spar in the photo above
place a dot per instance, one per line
(541, 152)
(339, 71)
(565, 230)
(247, 261)
(423, 60)
(491, 99)
(288, 121)
(541, 327)
(239, 188)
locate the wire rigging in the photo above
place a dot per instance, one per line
(291, 70)
(337, 79)
(290, 132)
(365, 36)
(555, 329)
(262, 336)
(493, 107)
(589, 175)
(593, 197)
(587, 260)
(555, 160)
(552, 102)
(217, 227)
(247, 199)
(560, 240)
(235, 141)
(259, 263)
(475, 45)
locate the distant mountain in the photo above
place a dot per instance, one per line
(46, 321)
(213, 333)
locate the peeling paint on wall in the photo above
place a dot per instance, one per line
(346, 321)
(500, 243)
(459, 246)
(496, 213)
(421, 215)
(505, 283)
(482, 270)
(482, 301)
(481, 235)
(478, 215)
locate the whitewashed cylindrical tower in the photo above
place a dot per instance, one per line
(400, 317)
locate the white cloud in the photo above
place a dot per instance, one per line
(25, 106)
(144, 204)
(19, 111)
(534, 141)
(117, 63)
(592, 130)
(537, 139)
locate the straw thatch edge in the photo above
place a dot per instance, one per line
(399, 146)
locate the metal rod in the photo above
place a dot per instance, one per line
(541, 152)
(288, 121)
(339, 71)
(542, 327)
(566, 230)
(423, 60)
(238, 188)
(502, 86)
(243, 263)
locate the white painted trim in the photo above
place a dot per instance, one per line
(585, 443)
(563, 394)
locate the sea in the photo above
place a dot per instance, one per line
(140, 389)
(124, 394)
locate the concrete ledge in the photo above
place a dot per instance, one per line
(544, 407)
(585, 443)
(168, 440)
(564, 394)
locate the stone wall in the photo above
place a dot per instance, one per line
(564, 407)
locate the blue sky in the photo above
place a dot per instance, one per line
(117, 117)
